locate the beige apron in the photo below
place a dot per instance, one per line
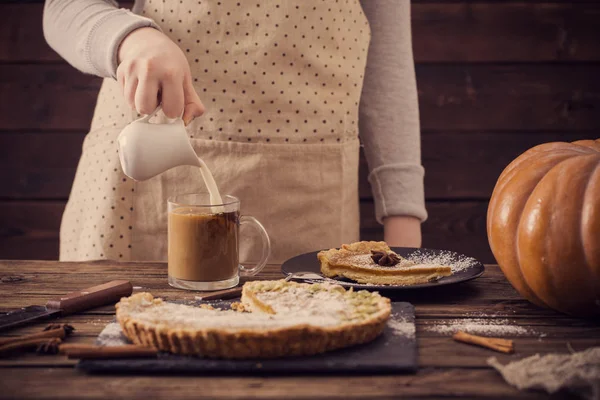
(281, 82)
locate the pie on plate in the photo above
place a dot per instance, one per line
(375, 263)
(284, 319)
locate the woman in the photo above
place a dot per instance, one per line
(278, 85)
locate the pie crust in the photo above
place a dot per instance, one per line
(353, 261)
(284, 319)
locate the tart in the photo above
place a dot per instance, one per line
(375, 263)
(283, 319)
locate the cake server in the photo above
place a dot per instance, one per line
(313, 277)
(70, 303)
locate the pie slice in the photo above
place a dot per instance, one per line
(284, 319)
(375, 263)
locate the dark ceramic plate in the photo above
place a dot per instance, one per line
(472, 268)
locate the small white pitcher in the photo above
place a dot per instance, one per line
(147, 149)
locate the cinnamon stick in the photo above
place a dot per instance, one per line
(27, 344)
(106, 352)
(497, 344)
(55, 331)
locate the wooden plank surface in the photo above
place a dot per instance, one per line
(468, 97)
(53, 383)
(485, 297)
(38, 166)
(41, 165)
(434, 352)
(522, 31)
(447, 369)
(480, 32)
(42, 97)
(30, 229)
(508, 97)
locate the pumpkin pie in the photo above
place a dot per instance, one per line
(282, 319)
(375, 263)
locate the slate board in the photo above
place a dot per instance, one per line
(392, 352)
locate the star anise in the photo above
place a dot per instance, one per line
(49, 347)
(385, 259)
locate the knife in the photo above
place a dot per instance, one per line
(70, 303)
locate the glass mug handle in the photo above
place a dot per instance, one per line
(266, 246)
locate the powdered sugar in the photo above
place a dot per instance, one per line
(416, 259)
(500, 327)
(444, 257)
(401, 327)
(362, 260)
(183, 316)
(300, 301)
(111, 335)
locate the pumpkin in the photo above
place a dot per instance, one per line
(543, 225)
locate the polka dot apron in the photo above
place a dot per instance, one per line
(281, 81)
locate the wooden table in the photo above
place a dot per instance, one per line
(447, 368)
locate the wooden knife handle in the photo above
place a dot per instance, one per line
(95, 296)
(223, 294)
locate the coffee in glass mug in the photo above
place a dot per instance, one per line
(204, 243)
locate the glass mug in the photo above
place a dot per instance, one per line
(204, 243)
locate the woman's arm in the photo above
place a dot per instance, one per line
(98, 38)
(389, 122)
(88, 33)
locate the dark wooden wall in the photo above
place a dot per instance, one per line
(494, 77)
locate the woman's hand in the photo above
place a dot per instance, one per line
(152, 70)
(402, 231)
